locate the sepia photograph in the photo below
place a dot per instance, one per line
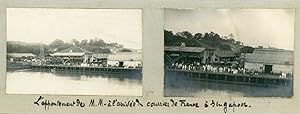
(228, 52)
(74, 51)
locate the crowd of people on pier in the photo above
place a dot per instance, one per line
(77, 64)
(196, 66)
(217, 68)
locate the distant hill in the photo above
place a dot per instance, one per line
(23, 47)
(93, 45)
(206, 40)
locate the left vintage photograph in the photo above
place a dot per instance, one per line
(74, 51)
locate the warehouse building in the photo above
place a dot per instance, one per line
(20, 56)
(179, 54)
(224, 56)
(269, 60)
(73, 55)
(125, 59)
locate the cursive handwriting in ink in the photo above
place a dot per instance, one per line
(41, 101)
(187, 104)
(130, 103)
(115, 103)
(226, 105)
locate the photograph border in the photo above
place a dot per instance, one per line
(153, 46)
(104, 41)
(234, 8)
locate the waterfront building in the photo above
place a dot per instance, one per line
(73, 55)
(175, 54)
(99, 59)
(125, 59)
(20, 56)
(224, 56)
(269, 60)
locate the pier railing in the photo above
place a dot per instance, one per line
(88, 68)
(261, 79)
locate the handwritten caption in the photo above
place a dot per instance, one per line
(209, 104)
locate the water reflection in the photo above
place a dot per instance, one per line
(73, 82)
(180, 86)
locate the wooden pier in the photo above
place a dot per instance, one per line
(87, 69)
(262, 80)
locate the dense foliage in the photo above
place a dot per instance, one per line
(211, 39)
(94, 45)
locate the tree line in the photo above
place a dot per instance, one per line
(57, 45)
(211, 39)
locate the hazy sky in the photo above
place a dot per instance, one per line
(254, 27)
(123, 26)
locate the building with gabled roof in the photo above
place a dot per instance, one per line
(73, 55)
(224, 56)
(175, 54)
(184, 49)
(125, 59)
(99, 59)
(18, 55)
(270, 60)
(72, 51)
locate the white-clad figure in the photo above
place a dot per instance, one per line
(283, 75)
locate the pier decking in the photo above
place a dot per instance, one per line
(263, 80)
(89, 69)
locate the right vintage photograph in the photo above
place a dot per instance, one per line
(229, 52)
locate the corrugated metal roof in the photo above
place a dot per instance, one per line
(74, 49)
(224, 53)
(68, 54)
(21, 54)
(100, 56)
(270, 56)
(125, 56)
(184, 49)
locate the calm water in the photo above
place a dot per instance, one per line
(178, 86)
(73, 83)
